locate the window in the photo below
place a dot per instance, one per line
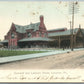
(12, 35)
(40, 34)
(45, 34)
(28, 34)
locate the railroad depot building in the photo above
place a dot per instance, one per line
(36, 35)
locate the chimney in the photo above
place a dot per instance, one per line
(41, 18)
(42, 25)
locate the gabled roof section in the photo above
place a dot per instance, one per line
(62, 33)
(22, 29)
(76, 30)
(82, 30)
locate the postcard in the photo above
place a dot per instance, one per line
(41, 41)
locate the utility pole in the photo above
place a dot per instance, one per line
(73, 11)
(70, 26)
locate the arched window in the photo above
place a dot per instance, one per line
(12, 35)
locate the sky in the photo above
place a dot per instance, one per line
(56, 14)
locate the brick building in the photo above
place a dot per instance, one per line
(36, 35)
(33, 35)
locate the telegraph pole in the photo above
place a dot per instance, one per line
(73, 10)
(72, 26)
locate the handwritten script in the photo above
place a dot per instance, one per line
(38, 76)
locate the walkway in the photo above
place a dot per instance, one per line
(23, 57)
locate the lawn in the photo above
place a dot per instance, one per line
(5, 53)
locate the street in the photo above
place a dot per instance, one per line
(69, 60)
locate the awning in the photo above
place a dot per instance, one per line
(4, 41)
(35, 39)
